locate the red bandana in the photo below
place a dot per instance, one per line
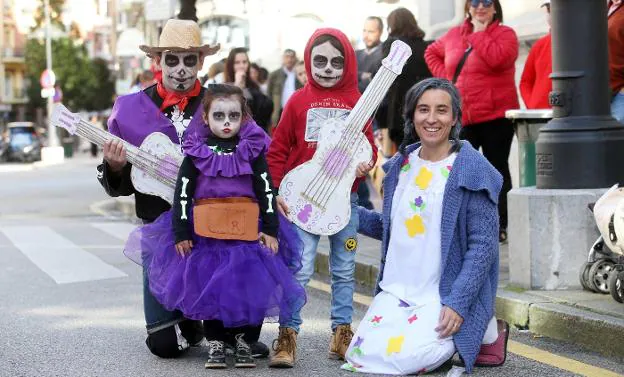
(171, 98)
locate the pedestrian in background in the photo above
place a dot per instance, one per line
(535, 84)
(615, 35)
(260, 76)
(237, 72)
(282, 84)
(369, 58)
(369, 61)
(215, 73)
(402, 25)
(302, 76)
(479, 57)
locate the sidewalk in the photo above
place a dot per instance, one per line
(590, 320)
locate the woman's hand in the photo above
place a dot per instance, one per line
(115, 155)
(184, 247)
(282, 207)
(478, 26)
(269, 241)
(239, 79)
(363, 168)
(450, 322)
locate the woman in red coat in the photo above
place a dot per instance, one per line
(485, 81)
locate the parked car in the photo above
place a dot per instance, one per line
(24, 143)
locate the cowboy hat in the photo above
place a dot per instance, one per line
(180, 36)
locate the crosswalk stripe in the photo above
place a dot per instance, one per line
(118, 229)
(61, 259)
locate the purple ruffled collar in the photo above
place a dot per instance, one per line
(253, 141)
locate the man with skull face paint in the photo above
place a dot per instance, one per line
(331, 92)
(169, 106)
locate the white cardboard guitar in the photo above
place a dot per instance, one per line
(155, 163)
(317, 192)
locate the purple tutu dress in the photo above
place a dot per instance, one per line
(238, 282)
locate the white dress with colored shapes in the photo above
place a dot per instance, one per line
(397, 335)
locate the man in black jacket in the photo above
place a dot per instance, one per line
(368, 62)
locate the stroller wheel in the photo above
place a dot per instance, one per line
(616, 286)
(599, 275)
(584, 276)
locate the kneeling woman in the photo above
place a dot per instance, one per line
(439, 231)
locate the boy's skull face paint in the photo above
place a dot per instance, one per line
(327, 65)
(225, 117)
(179, 70)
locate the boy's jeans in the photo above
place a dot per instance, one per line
(617, 107)
(343, 246)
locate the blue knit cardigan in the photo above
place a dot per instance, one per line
(469, 241)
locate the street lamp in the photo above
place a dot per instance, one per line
(53, 153)
(582, 146)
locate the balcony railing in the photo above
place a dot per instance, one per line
(11, 52)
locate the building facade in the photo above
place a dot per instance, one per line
(12, 67)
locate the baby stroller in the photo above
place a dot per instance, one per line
(604, 270)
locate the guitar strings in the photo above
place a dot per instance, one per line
(161, 170)
(354, 132)
(322, 191)
(144, 166)
(324, 187)
(133, 151)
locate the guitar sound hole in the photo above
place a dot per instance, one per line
(336, 162)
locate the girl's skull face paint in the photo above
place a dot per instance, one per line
(179, 70)
(327, 65)
(224, 117)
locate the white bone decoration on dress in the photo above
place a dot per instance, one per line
(317, 192)
(268, 191)
(185, 181)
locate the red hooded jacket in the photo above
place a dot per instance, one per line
(535, 84)
(293, 140)
(486, 83)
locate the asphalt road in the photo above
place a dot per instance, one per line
(72, 305)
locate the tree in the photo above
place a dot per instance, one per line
(56, 12)
(188, 10)
(86, 84)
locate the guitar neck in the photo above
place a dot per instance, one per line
(99, 137)
(370, 100)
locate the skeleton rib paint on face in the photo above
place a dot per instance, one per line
(327, 64)
(225, 117)
(179, 70)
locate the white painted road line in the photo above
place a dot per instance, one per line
(61, 259)
(116, 229)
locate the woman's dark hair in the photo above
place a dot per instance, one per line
(497, 7)
(331, 39)
(411, 100)
(215, 91)
(263, 74)
(402, 23)
(229, 67)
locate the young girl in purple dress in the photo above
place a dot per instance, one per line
(223, 192)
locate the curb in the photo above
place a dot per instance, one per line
(540, 315)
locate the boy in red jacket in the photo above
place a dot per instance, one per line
(331, 92)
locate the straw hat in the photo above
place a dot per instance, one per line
(180, 36)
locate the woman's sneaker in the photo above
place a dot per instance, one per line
(216, 355)
(242, 357)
